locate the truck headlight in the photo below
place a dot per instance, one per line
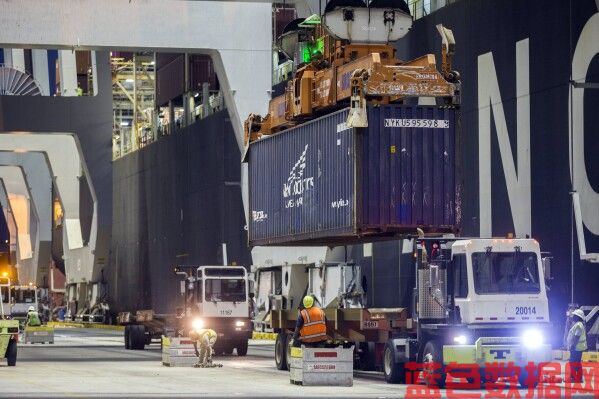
(197, 324)
(460, 339)
(532, 339)
(239, 323)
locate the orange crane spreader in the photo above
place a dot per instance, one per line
(339, 72)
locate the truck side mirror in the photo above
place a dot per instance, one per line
(546, 262)
(433, 276)
(182, 287)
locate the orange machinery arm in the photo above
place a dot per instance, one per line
(371, 80)
(416, 78)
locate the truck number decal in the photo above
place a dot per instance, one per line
(524, 310)
(370, 324)
(225, 312)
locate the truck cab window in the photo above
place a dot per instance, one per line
(505, 273)
(225, 290)
(460, 281)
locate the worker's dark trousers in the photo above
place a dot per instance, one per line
(575, 366)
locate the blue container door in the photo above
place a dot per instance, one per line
(408, 169)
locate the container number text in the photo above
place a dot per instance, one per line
(423, 123)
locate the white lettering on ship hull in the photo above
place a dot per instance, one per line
(587, 48)
(517, 178)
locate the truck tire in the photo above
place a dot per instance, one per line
(523, 379)
(288, 345)
(281, 351)
(242, 348)
(395, 372)
(131, 336)
(11, 353)
(432, 355)
(138, 337)
(126, 337)
(367, 356)
(141, 337)
(484, 378)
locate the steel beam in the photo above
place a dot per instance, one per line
(38, 179)
(238, 37)
(39, 60)
(22, 208)
(67, 166)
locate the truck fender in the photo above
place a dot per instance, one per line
(401, 349)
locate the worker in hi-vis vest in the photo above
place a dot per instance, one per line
(33, 318)
(206, 338)
(311, 325)
(577, 344)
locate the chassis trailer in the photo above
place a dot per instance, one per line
(215, 297)
(365, 327)
(476, 301)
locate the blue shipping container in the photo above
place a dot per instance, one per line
(323, 183)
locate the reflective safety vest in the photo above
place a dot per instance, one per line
(315, 327)
(199, 335)
(33, 319)
(578, 332)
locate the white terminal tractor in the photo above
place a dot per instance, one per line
(478, 301)
(475, 301)
(218, 298)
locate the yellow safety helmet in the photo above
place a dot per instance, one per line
(308, 301)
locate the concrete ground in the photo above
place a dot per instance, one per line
(94, 363)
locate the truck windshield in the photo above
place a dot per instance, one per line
(23, 296)
(225, 290)
(505, 273)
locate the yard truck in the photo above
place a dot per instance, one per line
(475, 301)
(23, 297)
(215, 297)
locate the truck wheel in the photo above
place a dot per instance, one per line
(367, 356)
(395, 372)
(523, 379)
(288, 345)
(485, 378)
(127, 339)
(132, 329)
(138, 337)
(281, 351)
(141, 337)
(11, 353)
(432, 359)
(242, 348)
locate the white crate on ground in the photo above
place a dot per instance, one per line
(322, 366)
(37, 335)
(178, 352)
